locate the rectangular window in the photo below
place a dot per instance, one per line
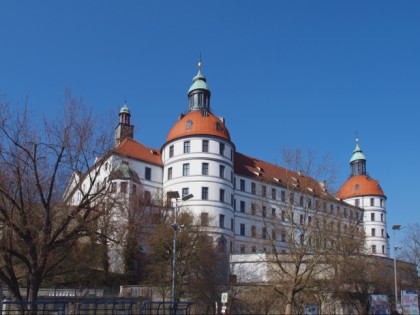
(242, 249)
(373, 249)
(242, 229)
(302, 219)
(273, 212)
(185, 169)
(264, 233)
(372, 202)
(221, 171)
(147, 197)
(253, 208)
(232, 200)
(205, 145)
(231, 224)
(204, 219)
(273, 193)
(381, 202)
(242, 206)
(222, 221)
(309, 203)
(283, 236)
(301, 201)
(185, 191)
(291, 198)
(357, 202)
(383, 249)
(170, 173)
(242, 185)
(204, 193)
(253, 231)
(222, 195)
(263, 190)
(171, 151)
(373, 232)
(283, 195)
(222, 148)
(253, 249)
(382, 217)
(372, 217)
(283, 215)
(187, 145)
(148, 173)
(205, 169)
(124, 187)
(382, 232)
(113, 187)
(253, 188)
(264, 211)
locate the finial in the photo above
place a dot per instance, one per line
(357, 137)
(199, 62)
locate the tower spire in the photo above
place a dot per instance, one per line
(357, 161)
(199, 92)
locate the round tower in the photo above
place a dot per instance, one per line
(364, 192)
(198, 159)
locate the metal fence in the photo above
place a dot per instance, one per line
(95, 307)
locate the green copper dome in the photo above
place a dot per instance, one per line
(357, 153)
(124, 172)
(199, 81)
(125, 109)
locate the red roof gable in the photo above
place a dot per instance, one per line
(133, 149)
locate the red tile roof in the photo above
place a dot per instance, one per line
(133, 149)
(361, 185)
(264, 171)
(200, 125)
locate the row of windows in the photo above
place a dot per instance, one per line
(373, 217)
(373, 232)
(303, 202)
(204, 148)
(204, 170)
(372, 202)
(374, 251)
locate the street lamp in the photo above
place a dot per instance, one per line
(395, 228)
(175, 226)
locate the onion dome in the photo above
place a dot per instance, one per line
(198, 123)
(199, 81)
(357, 161)
(199, 93)
(125, 109)
(361, 185)
(124, 172)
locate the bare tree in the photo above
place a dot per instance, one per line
(41, 217)
(197, 258)
(311, 226)
(410, 251)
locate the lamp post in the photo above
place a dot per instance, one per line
(395, 228)
(175, 226)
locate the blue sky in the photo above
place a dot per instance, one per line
(284, 74)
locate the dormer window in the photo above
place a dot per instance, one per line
(189, 125)
(218, 126)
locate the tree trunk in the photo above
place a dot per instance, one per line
(33, 294)
(289, 303)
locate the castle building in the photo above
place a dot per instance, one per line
(234, 194)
